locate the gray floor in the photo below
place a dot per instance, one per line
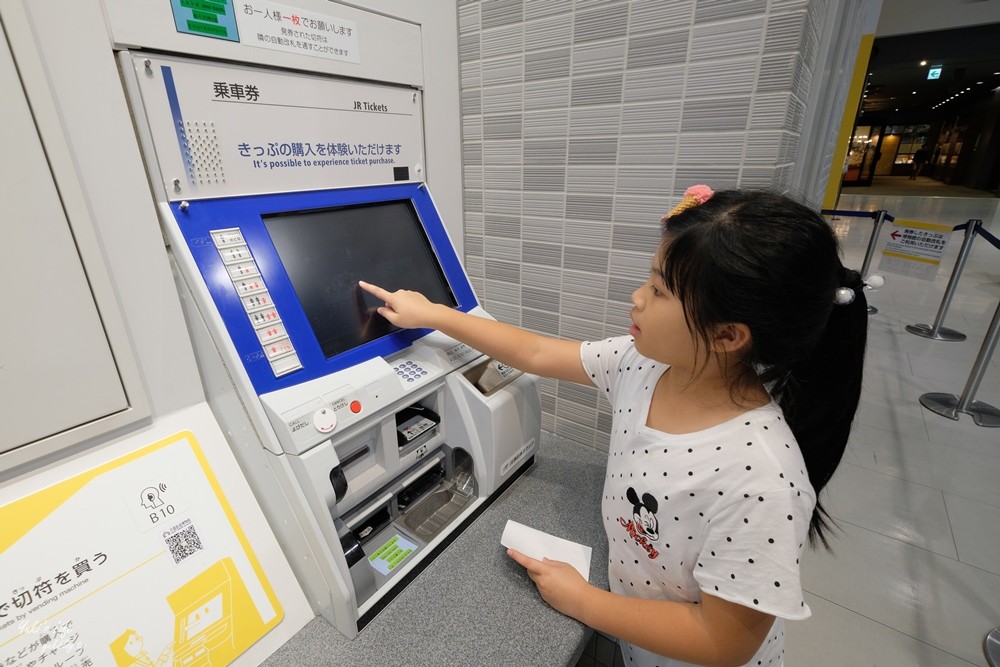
(914, 578)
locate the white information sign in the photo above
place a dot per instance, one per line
(139, 559)
(914, 248)
(270, 25)
(223, 130)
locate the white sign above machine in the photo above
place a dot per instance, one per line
(224, 130)
(269, 25)
(295, 30)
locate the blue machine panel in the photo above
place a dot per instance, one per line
(275, 287)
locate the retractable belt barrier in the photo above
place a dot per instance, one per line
(849, 214)
(946, 405)
(937, 331)
(949, 405)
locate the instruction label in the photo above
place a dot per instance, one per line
(915, 248)
(279, 27)
(232, 130)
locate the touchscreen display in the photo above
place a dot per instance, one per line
(326, 252)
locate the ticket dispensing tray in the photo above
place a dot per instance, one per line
(436, 510)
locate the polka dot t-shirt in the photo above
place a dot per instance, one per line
(723, 511)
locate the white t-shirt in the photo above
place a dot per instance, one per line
(725, 510)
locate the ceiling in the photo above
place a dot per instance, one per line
(897, 81)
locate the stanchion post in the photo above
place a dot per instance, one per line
(991, 646)
(880, 216)
(948, 405)
(937, 331)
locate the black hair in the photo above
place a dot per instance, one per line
(759, 258)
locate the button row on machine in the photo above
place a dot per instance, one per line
(256, 300)
(325, 419)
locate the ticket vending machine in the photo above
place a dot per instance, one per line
(368, 446)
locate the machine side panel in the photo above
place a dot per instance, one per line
(69, 370)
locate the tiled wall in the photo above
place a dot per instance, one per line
(583, 121)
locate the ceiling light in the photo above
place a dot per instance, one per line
(979, 83)
(914, 92)
(923, 62)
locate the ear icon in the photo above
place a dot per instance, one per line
(150, 498)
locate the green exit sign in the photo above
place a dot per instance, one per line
(933, 73)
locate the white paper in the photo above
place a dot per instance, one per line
(539, 545)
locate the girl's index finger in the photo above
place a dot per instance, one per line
(374, 290)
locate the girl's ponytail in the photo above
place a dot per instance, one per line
(821, 392)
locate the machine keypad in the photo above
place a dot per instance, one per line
(409, 370)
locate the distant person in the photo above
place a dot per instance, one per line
(919, 160)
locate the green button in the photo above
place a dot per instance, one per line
(204, 6)
(208, 29)
(205, 16)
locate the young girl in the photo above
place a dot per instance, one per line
(732, 397)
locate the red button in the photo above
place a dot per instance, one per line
(355, 407)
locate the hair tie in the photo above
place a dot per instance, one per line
(843, 296)
(693, 196)
(874, 281)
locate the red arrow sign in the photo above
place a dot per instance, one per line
(895, 235)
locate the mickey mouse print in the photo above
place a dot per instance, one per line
(643, 526)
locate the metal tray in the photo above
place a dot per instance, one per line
(430, 516)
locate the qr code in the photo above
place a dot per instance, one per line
(183, 543)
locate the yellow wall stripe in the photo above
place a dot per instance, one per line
(854, 93)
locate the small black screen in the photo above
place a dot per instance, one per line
(326, 252)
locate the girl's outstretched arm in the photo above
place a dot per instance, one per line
(716, 632)
(524, 350)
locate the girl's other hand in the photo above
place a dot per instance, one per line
(406, 309)
(558, 583)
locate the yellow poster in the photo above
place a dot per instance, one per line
(139, 561)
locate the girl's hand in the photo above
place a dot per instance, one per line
(559, 583)
(406, 309)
